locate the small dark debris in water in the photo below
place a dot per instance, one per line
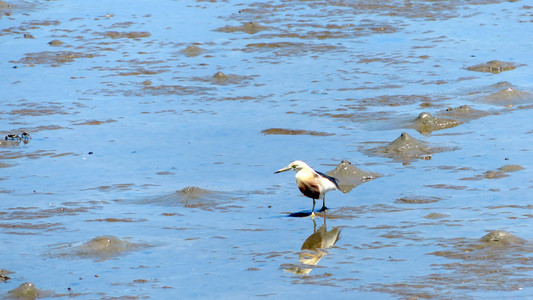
(25, 136)
(28, 36)
(12, 137)
(3, 275)
(493, 66)
(90, 153)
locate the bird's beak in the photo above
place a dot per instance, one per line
(282, 170)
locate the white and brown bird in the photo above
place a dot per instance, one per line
(312, 184)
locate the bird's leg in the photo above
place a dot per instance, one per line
(313, 211)
(324, 208)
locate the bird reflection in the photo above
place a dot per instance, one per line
(314, 248)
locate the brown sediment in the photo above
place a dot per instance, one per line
(157, 90)
(52, 58)
(509, 97)
(435, 216)
(418, 200)
(511, 168)
(115, 220)
(248, 27)
(283, 131)
(447, 186)
(129, 35)
(95, 122)
(192, 51)
(501, 172)
(55, 43)
(288, 48)
(99, 248)
(107, 188)
(495, 262)
(195, 197)
(350, 176)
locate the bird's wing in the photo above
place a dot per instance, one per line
(332, 179)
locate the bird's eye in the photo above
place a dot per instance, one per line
(293, 166)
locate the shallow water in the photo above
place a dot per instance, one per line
(139, 141)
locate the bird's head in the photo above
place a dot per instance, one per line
(296, 165)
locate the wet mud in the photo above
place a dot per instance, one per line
(146, 168)
(464, 113)
(494, 66)
(350, 176)
(28, 291)
(406, 148)
(425, 123)
(501, 172)
(284, 131)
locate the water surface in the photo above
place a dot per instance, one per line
(156, 128)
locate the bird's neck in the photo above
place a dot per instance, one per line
(304, 174)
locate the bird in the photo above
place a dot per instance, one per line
(311, 183)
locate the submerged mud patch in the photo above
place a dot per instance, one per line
(99, 248)
(277, 49)
(418, 200)
(194, 197)
(501, 172)
(495, 262)
(126, 34)
(53, 58)
(220, 78)
(94, 122)
(464, 113)
(248, 27)
(283, 131)
(349, 176)
(494, 66)
(192, 51)
(509, 97)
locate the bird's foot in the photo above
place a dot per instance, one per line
(312, 215)
(323, 209)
